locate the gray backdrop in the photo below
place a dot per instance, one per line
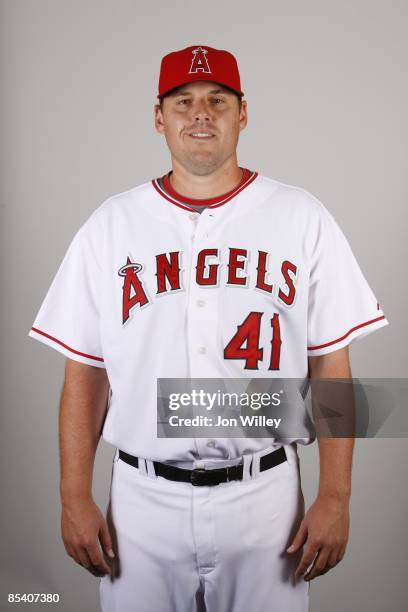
(327, 95)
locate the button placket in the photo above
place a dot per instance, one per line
(197, 316)
(193, 219)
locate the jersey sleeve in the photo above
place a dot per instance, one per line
(69, 317)
(341, 306)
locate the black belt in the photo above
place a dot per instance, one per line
(203, 478)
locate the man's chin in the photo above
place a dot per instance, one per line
(202, 165)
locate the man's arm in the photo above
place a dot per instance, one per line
(83, 407)
(325, 527)
(335, 453)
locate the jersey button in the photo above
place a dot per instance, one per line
(193, 217)
(211, 443)
(202, 350)
(200, 303)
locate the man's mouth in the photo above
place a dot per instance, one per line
(201, 135)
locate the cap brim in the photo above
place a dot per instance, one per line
(165, 93)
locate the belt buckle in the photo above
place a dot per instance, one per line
(195, 477)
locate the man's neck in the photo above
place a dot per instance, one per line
(212, 185)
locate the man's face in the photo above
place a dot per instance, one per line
(201, 122)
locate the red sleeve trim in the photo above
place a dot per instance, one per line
(66, 346)
(319, 346)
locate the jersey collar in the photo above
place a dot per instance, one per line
(164, 188)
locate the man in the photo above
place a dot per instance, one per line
(211, 271)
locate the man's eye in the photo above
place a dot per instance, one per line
(183, 101)
(218, 100)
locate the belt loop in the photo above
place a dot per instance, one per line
(151, 472)
(246, 469)
(142, 466)
(291, 452)
(255, 464)
(116, 456)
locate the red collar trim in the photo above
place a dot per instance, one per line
(175, 198)
(202, 202)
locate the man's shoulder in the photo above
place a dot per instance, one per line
(132, 195)
(118, 207)
(296, 198)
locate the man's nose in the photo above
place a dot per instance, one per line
(201, 111)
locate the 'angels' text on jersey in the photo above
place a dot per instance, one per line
(169, 276)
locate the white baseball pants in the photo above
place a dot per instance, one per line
(185, 548)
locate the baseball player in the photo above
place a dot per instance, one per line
(210, 271)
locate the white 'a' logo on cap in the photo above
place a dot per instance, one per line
(199, 63)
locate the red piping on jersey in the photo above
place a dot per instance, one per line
(202, 202)
(313, 348)
(246, 180)
(66, 346)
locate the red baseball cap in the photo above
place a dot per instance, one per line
(199, 63)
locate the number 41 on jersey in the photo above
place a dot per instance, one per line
(245, 343)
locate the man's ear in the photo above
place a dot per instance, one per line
(158, 119)
(243, 115)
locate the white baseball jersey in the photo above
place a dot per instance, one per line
(252, 286)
